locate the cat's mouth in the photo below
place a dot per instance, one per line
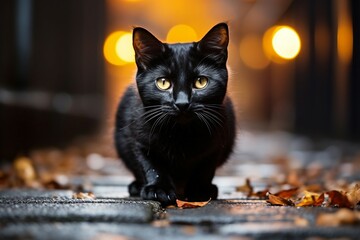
(184, 117)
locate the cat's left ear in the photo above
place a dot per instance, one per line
(215, 42)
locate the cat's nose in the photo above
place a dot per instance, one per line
(182, 106)
(182, 101)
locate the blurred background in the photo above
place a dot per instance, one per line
(65, 63)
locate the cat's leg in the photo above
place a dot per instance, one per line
(159, 187)
(151, 182)
(199, 186)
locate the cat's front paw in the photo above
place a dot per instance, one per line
(164, 194)
(135, 188)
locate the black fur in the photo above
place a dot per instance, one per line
(173, 140)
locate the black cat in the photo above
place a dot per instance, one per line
(176, 126)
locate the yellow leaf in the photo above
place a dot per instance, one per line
(354, 195)
(24, 169)
(310, 199)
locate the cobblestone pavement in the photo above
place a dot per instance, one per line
(54, 214)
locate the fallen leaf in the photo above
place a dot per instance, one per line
(310, 199)
(261, 194)
(354, 195)
(336, 199)
(287, 193)
(185, 204)
(343, 216)
(24, 170)
(278, 201)
(82, 195)
(246, 188)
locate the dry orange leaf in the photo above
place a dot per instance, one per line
(82, 195)
(336, 199)
(246, 188)
(262, 194)
(278, 201)
(287, 193)
(185, 204)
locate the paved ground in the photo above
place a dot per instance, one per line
(54, 214)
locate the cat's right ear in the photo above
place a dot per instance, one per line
(146, 46)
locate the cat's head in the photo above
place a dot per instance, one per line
(182, 77)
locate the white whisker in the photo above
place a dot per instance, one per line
(203, 119)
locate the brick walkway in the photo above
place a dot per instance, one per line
(54, 214)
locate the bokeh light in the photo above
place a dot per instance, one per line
(109, 49)
(281, 43)
(345, 38)
(286, 42)
(124, 48)
(118, 48)
(181, 33)
(251, 52)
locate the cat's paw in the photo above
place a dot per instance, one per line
(164, 194)
(135, 188)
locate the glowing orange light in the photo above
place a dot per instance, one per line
(181, 33)
(286, 42)
(124, 48)
(109, 48)
(118, 49)
(344, 36)
(281, 43)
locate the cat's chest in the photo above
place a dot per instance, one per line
(184, 144)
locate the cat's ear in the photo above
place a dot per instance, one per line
(146, 46)
(215, 42)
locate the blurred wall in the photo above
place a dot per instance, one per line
(51, 72)
(354, 86)
(327, 99)
(56, 83)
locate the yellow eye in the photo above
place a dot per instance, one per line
(201, 82)
(163, 83)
